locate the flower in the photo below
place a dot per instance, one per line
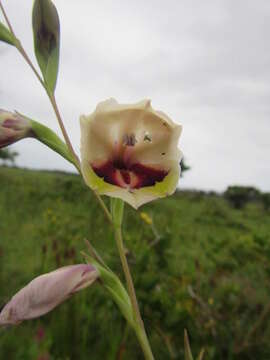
(47, 291)
(130, 152)
(13, 127)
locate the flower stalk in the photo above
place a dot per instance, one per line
(117, 207)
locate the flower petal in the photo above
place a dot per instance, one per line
(47, 291)
(136, 197)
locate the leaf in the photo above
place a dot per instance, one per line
(5, 35)
(46, 32)
(116, 289)
(49, 138)
(188, 354)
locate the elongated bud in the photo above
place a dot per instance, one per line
(13, 127)
(46, 31)
(47, 291)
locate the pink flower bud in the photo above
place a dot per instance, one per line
(13, 127)
(47, 291)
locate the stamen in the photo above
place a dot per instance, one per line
(129, 140)
(147, 137)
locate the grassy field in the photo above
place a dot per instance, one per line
(203, 265)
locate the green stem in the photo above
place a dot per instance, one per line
(103, 206)
(142, 337)
(6, 18)
(117, 213)
(131, 289)
(62, 127)
(55, 108)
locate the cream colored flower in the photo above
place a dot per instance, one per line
(130, 151)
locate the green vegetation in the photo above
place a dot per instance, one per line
(7, 155)
(202, 265)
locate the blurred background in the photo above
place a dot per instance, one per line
(201, 258)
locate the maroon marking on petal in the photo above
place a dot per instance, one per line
(119, 164)
(148, 175)
(106, 171)
(134, 177)
(126, 176)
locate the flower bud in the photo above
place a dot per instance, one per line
(47, 291)
(46, 31)
(13, 127)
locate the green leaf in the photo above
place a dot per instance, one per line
(188, 353)
(5, 35)
(49, 138)
(46, 32)
(116, 289)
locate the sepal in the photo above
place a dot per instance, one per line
(116, 289)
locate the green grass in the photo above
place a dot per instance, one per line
(209, 272)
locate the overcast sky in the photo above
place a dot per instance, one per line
(205, 63)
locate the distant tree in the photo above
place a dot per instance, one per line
(8, 156)
(184, 166)
(238, 196)
(265, 198)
